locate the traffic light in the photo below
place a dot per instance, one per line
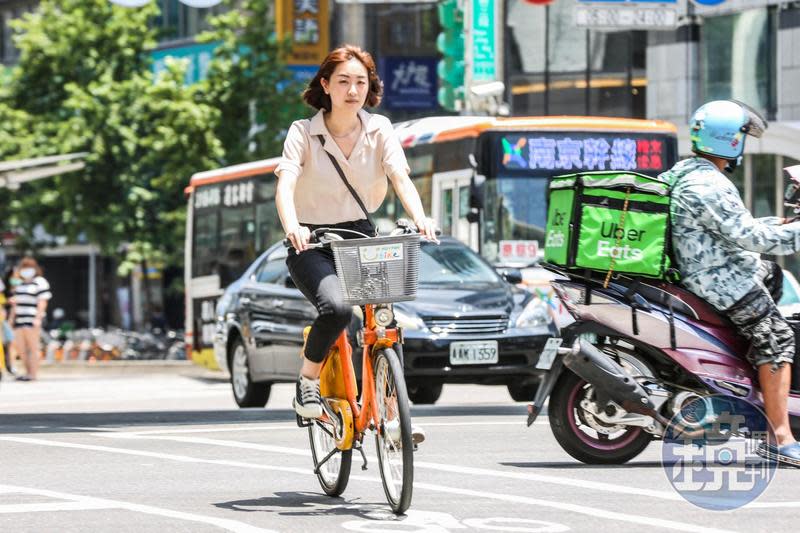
(450, 42)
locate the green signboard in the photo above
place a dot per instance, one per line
(483, 41)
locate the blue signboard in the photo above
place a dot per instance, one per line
(303, 73)
(409, 83)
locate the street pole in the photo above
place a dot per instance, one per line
(92, 287)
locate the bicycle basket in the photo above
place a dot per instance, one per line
(378, 270)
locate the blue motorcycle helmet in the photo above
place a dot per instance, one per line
(719, 128)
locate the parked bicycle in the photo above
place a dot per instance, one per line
(374, 272)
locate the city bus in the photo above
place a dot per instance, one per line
(483, 179)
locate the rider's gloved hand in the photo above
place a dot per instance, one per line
(427, 227)
(299, 237)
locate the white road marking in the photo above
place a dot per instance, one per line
(457, 469)
(575, 508)
(77, 502)
(48, 507)
(245, 429)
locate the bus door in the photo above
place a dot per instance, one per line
(450, 205)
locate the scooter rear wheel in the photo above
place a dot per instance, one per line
(568, 423)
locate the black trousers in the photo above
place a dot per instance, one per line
(314, 273)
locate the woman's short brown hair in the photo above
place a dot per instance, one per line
(315, 96)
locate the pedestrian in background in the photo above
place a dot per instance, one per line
(6, 333)
(3, 325)
(28, 307)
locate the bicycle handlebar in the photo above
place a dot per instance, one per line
(319, 237)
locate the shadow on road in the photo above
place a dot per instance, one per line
(311, 504)
(580, 466)
(422, 411)
(76, 422)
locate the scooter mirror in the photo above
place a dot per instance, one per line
(792, 194)
(793, 172)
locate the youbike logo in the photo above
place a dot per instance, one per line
(381, 252)
(709, 452)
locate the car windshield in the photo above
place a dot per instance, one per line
(453, 263)
(790, 295)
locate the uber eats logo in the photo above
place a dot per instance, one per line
(628, 239)
(555, 237)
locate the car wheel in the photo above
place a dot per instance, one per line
(523, 392)
(245, 391)
(424, 394)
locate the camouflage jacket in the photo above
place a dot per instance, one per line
(716, 241)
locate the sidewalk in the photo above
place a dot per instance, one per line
(109, 368)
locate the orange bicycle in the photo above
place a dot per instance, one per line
(373, 273)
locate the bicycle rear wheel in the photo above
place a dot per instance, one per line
(335, 473)
(393, 439)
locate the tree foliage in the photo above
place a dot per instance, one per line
(83, 84)
(248, 82)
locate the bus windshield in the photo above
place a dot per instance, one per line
(515, 209)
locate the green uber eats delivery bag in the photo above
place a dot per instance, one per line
(614, 221)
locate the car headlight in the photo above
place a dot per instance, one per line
(534, 315)
(407, 320)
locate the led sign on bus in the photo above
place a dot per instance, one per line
(582, 152)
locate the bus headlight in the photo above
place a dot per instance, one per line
(407, 320)
(534, 315)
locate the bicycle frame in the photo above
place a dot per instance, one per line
(375, 337)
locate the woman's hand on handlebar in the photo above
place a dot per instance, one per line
(299, 238)
(427, 228)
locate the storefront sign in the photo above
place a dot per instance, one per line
(639, 17)
(409, 82)
(197, 57)
(307, 24)
(483, 41)
(639, 14)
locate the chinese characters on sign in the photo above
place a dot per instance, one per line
(518, 251)
(409, 82)
(483, 56)
(238, 194)
(306, 23)
(568, 153)
(231, 195)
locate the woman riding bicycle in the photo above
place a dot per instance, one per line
(333, 173)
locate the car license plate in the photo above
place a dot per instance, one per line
(549, 353)
(473, 353)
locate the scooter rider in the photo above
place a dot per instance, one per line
(717, 245)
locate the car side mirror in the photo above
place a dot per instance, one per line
(289, 282)
(511, 275)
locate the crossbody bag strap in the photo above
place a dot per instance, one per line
(347, 183)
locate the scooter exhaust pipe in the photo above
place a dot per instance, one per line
(609, 378)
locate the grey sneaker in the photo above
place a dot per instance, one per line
(307, 403)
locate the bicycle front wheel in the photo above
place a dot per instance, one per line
(334, 474)
(393, 439)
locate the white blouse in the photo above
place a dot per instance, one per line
(320, 196)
